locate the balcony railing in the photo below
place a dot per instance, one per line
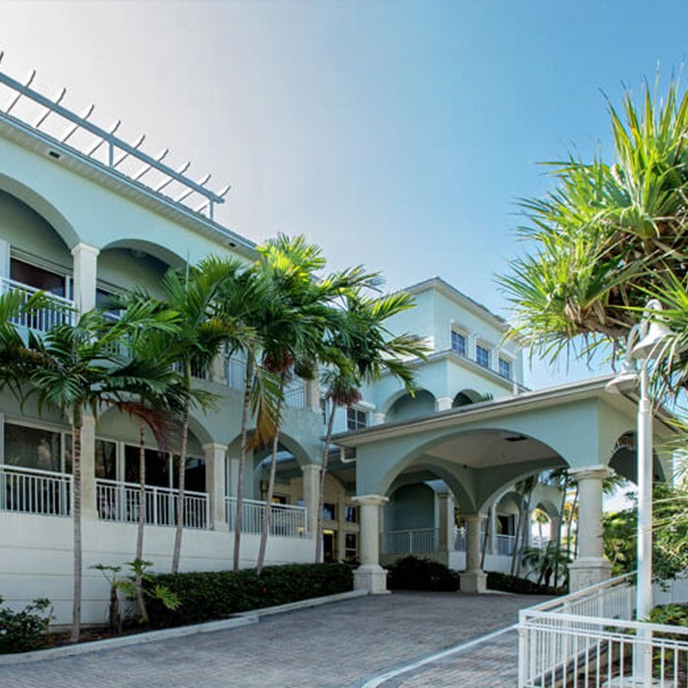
(31, 491)
(285, 520)
(419, 541)
(588, 639)
(294, 393)
(41, 319)
(118, 501)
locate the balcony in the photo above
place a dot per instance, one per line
(63, 311)
(121, 502)
(32, 491)
(285, 520)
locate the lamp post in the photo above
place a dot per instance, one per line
(642, 346)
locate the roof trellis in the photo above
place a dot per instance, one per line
(104, 147)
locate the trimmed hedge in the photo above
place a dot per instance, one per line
(213, 595)
(520, 586)
(412, 573)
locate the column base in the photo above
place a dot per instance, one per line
(372, 578)
(587, 571)
(473, 582)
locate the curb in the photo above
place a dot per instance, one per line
(236, 621)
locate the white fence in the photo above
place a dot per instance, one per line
(31, 491)
(59, 311)
(285, 520)
(588, 639)
(420, 541)
(118, 501)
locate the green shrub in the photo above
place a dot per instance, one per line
(670, 615)
(212, 595)
(520, 586)
(412, 573)
(25, 630)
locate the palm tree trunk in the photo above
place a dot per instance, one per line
(321, 493)
(77, 423)
(524, 538)
(569, 523)
(238, 518)
(517, 531)
(138, 582)
(181, 476)
(267, 509)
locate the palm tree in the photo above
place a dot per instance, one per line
(78, 368)
(607, 232)
(357, 350)
(201, 330)
(294, 325)
(524, 489)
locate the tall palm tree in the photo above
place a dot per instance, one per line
(357, 350)
(201, 330)
(292, 332)
(78, 368)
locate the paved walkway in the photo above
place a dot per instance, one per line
(348, 644)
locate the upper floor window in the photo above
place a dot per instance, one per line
(356, 418)
(40, 278)
(351, 514)
(505, 368)
(482, 356)
(458, 342)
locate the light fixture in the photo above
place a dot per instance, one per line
(656, 332)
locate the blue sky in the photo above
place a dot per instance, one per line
(397, 134)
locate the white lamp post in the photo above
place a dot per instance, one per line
(643, 345)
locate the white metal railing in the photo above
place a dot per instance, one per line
(418, 541)
(119, 501)
(588, 639)
(285, 520)
(295, 394)
(32, 491)
(504, 545)
(63, 130)
(41, 319)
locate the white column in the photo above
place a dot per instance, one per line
(218, 369)
(232, 477)
(473, 579)
(311, 494)
(443, 403)
(85, 273)
(446, 523)
(590, 566)
(492, 539)
(4, 258)
(370, 575)
(88, 468)
(313, 395)
(378, 418)
(216, 480)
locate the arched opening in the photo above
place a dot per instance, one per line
(407, 406)
(468, 396)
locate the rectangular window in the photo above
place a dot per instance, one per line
(356, 419)
(27, 447)
(329, 512)
(458, 343)
(482, 356)
(350, 546)
(39, 278)
(351, 514)
(505, 368)
(106, 460)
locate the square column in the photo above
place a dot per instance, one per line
(216, 478)
(473, 579)
(590, 566)
(85, 273)
(370, 575)
(443, 403)
(311, 494)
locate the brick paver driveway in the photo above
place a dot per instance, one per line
(338, 645)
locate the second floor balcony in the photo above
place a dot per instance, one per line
(59, 310)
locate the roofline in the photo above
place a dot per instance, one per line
(584, 389)
(442, 285)
(108, 175)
